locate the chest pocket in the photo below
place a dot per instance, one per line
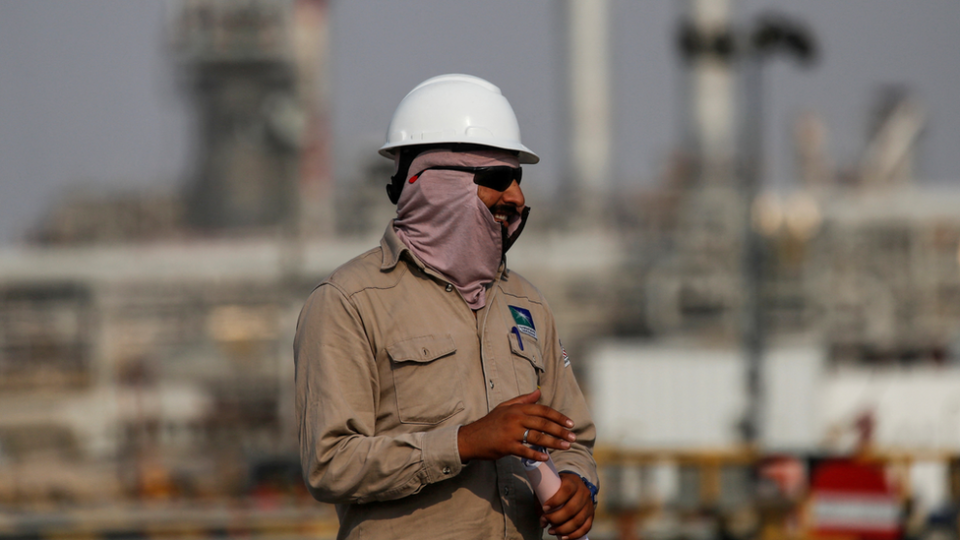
(426, 379)
(527, 363)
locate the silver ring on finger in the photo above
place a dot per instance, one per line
(525, 433)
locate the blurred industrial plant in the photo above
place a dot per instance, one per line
(761, 363)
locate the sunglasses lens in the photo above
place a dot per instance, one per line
(497, 178)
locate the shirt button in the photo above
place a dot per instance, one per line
(506, 490)
(446, 470)
(449, 287)
(426, 351)
(491, 383)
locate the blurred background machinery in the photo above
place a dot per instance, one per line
(755, 357)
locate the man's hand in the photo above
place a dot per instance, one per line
(570, 511)
(500, 433)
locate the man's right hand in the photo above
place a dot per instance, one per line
(500, 432)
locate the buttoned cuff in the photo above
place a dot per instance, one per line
(590, 486)
(441, 455)
(571, 466)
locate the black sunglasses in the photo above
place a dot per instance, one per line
(497, 178)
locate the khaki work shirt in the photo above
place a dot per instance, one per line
(390, 361)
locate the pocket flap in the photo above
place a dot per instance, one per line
(528, 351)
(422, 349)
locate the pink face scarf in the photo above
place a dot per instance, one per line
(444, 223)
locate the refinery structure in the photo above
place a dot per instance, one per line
(145, 341)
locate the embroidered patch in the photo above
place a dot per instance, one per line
(524, 321)
(566, 357)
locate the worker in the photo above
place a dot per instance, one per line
(425, 369)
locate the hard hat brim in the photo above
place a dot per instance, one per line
(525, 155)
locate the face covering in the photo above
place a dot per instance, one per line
(444, 223)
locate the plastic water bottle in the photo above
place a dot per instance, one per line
(543, 476)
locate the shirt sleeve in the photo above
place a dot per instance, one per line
(561, 392)
(344, 460)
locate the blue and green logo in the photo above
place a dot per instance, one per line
(524, 321)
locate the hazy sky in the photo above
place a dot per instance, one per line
(89, 97)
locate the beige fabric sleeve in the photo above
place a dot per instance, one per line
(561, 392)
(344, 459)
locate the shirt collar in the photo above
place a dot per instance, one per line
(393, 248)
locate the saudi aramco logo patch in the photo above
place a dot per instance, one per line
(524, 321)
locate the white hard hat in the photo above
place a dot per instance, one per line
(455, 108)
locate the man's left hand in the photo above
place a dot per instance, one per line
(570, 511)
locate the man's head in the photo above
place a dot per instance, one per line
(497, 186)
(504, 204)
(456, 225)
(484, 179)
(455, 112)
(456, 145)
